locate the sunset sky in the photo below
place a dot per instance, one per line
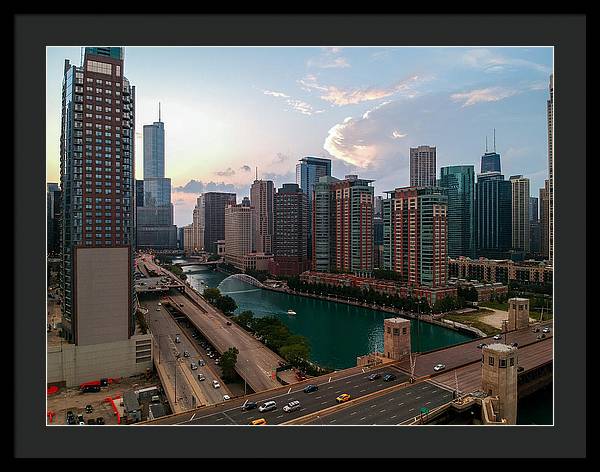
(228, 110)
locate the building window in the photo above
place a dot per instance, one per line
(502, 363)
(491, 360)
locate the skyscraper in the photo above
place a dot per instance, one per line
(520, 213)
(550, 110)
(415, 235)
(459, 181)
(261, 198)
(545, 220)
(534, 226)
(308, 172)
(343, 225)
(239, 233)
(490, 161)
(53, 199)
(493, 209)
(155, 228)
(422, 166)
(290, 254)
(214, 217)
(97, 178)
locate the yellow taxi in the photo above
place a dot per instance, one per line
(344, 397)
(259, 422)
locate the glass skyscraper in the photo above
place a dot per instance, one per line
(460, 184)
(493, 203)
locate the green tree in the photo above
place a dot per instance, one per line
(227, 363)
(211, 294)
(295, 353)
(226, 304)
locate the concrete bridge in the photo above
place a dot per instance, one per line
(199, 263)
(243, 278)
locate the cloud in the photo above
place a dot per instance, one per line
(489, 94)
(245, 168)
(294, 104)
(397, 135)
(492, 61)
(197, 187)
(329, 59)
(225, 173)
(340, 97)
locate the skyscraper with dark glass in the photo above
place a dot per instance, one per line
(97, 179)
(459, 181)
(493, 204)
(490, 162)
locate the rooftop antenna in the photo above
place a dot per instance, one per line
(159, 112)
(486, 147)
(257, 173)
(81, 57)
(494, 139)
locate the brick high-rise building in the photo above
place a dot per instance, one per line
(415, 235)
(261, 198)
(343, 225)
(422, 166)
(290, 255)
(97, 178)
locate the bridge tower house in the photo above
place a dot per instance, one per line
(518, 313)
(396, 338)
(499, 378)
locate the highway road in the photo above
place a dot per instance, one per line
(164, 328)
(356, 384)
(466, 353)
(392, 408)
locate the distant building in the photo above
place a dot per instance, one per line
(308, 172)
(493, 203)
(503, 270)
(550, 111)
(490, 162)
(53, 206)
(290, 254)
(534, 226)
(423, 166)
(214, 217)
(261, 199)
(545, 220)
(139, 193)
(240, 230)
(415, 235)
(520, 213)
(459, 181)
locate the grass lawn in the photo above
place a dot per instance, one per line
(504, 307)
(474, 319)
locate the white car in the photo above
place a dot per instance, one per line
(439, 367)
(216, 384)
(292, 406)
(497, 337)
(546, 330)
(158, 309)
(226, 397)
(193, 366)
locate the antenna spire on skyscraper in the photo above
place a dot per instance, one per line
(159, 112)
(494, 139)
(486, 148)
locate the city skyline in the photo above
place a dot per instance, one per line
(363, 107)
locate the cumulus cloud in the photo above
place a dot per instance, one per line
(398, 135)
(294, 103)
(197, 187)
(489, 94)
(245, 168)
(275, 94)
(329, 59)
(339, 97)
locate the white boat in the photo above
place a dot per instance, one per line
(291, 312)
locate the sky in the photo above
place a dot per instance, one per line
(232, 111)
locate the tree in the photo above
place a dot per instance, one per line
(294, 353)
(212, 294)
(227, 363)
(226, 304)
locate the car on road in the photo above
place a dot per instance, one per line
(344, 397)
(89, 408)
(159, 304)
(177, 340)
(515, 344)
(193, 366)
(535, 330)
(181, 304)
(540, 336)
(546, 330)
(292, 406)
(201, 363)
(310, 388)
(186, 354)
(249, 406)
(201, 377)
(497, 337)
(157, 308)
(439, 367)
(389, 377)
(226, 397)
(520, 368)
(267, 406)
(100, 420)
(258, 422)
(481, 345)
(229, 323)
(374, 376)
(216, 384)
(217, 361)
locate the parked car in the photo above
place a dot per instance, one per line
(201, 377)
(540, 336)
(100, 420)
(177, 340)
(344, 397)
(216, 384)
(520, 368)
(389, 377)
(497, 337)
(515, 344)
(217, 362)
(546, 330)
(157, 308)
(229, 323)
(193, 366)
(258, 422)
(267, 406)
(535, 330)
(481, 345)
(439, 367)
(311, 388)
(181, 304)
(71, 417)
(374, 376)
(292, 406)
(89, 408)
(226, 397)
(201, 363)
(186, 354)
(249, 406)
